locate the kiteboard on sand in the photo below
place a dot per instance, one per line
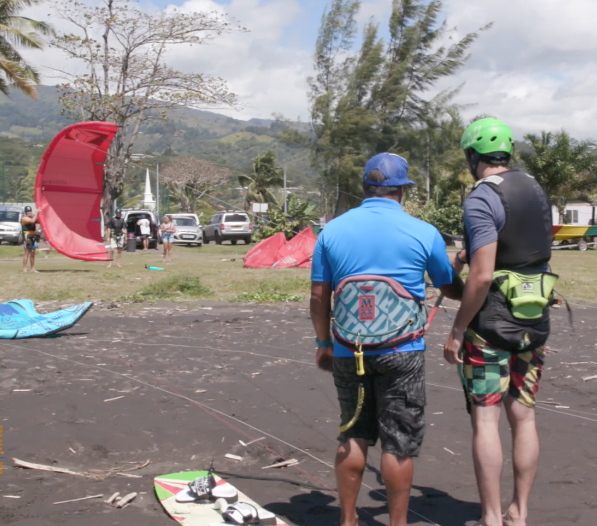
(205, 512)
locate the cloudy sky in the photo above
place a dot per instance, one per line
(536, 68)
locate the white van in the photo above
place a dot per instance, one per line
(11, 230)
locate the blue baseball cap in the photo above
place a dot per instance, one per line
(394, 167)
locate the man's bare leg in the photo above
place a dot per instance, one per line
(119, 257)
(25, 258)
(350, 465)
(32, 261)
(488, 460)
(397, 474)
(525, 456)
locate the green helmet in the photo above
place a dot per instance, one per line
(488, 136)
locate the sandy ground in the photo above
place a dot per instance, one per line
(196, 379)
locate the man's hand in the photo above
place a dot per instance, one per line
(325, 359)
(452, 347)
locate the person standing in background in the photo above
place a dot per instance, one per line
(30, 237)
(145, 228)
(117, 236)
(168, 229)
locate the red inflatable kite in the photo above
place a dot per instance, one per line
(69, 187)
(276, 252)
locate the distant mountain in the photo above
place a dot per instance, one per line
(207, 135)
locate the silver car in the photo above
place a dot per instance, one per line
(11, 230)
(188, 230)
(230, 226)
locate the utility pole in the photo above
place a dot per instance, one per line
(157, 191)
(285, 195)
(428, 181)
(3, 183)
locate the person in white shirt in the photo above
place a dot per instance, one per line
(145, 228)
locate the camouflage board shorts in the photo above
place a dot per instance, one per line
(30, 242)
(117, 242)
(489, 375)
(394, 406)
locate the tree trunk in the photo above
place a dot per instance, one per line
(113, 186)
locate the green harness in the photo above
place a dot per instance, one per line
(527, 296)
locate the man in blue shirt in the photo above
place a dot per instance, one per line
(380, 239)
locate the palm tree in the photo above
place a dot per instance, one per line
(19, 31)
(265, 176)
(565, 167)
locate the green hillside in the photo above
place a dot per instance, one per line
(223, 140)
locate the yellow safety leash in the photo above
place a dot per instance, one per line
(360, 372)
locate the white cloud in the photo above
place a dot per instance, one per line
(536, 68)
(377, 9)
(268, 76)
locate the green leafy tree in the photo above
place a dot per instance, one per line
(448, 174)
(565, 167)
(19, 32)
(447, 219)
(125, 77)
(18, 169)
(378, 99)
(264, 177)
(299, 216)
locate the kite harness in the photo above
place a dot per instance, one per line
(372, 313)
(30, 235)
(515, 315)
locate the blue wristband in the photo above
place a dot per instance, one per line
(327, 343)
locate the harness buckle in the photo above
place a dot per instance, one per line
(359, 357)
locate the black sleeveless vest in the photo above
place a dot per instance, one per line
(28, 229)
(523, 243)
(525, 240)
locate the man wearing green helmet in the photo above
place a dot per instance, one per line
(502, 325)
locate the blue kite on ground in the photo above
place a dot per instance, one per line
(19, 319)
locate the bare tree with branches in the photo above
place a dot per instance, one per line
(126, 79)
(190, 179)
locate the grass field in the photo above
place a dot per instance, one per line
(210, 272)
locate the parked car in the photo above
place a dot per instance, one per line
(10, 224)
(188, 230)
(132, 216)
(226, 226)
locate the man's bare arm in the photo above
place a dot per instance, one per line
(477, 285)
(321, 305)
(475, 292)
(455, 290)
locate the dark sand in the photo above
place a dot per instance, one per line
(149, 354)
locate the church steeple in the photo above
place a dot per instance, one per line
(148, 200)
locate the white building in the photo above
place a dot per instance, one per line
(576, 213)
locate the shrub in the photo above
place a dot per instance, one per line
(176, 285)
